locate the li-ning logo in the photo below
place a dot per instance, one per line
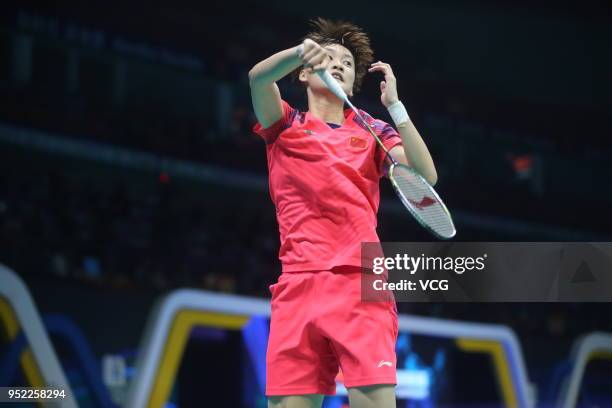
(383, 363)
(425, 202)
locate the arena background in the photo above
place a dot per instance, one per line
(128, 170)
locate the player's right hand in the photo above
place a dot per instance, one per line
(313, 56)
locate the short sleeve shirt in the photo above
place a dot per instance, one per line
(324, 183)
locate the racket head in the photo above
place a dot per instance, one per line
(423, 202)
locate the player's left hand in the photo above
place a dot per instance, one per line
(388, 87)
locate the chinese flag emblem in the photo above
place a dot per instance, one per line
(358, 142)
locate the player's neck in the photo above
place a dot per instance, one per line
(326, 107)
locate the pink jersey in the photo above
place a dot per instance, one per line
(324, 183)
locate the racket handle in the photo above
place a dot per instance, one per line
(333, 85)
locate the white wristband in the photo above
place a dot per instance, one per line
(398, 113)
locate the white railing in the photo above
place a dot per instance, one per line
(17, 296)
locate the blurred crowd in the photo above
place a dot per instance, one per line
(104, 232)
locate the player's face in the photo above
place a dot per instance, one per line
(341, 66)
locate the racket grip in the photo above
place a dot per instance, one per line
(332, 84)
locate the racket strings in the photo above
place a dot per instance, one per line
(422, 201)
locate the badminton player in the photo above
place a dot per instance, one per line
(324, 170)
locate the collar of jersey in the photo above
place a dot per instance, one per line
(348, 114)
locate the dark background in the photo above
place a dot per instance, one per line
(142, 174)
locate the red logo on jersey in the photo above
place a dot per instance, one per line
(425, 202)
(358, 142)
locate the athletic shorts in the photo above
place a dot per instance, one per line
(319, 324)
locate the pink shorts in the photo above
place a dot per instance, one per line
(319, 324)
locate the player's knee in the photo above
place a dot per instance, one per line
(299, 401)
(275, 402)
(372, 396)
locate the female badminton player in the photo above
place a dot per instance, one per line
(324, 171)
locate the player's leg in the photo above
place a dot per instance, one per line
(363, 336)
(373, 396)
(301, 365)
(296, 401)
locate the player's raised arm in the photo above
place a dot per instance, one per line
(263, 76)
(413, 151)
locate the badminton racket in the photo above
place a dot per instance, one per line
(417, 195)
